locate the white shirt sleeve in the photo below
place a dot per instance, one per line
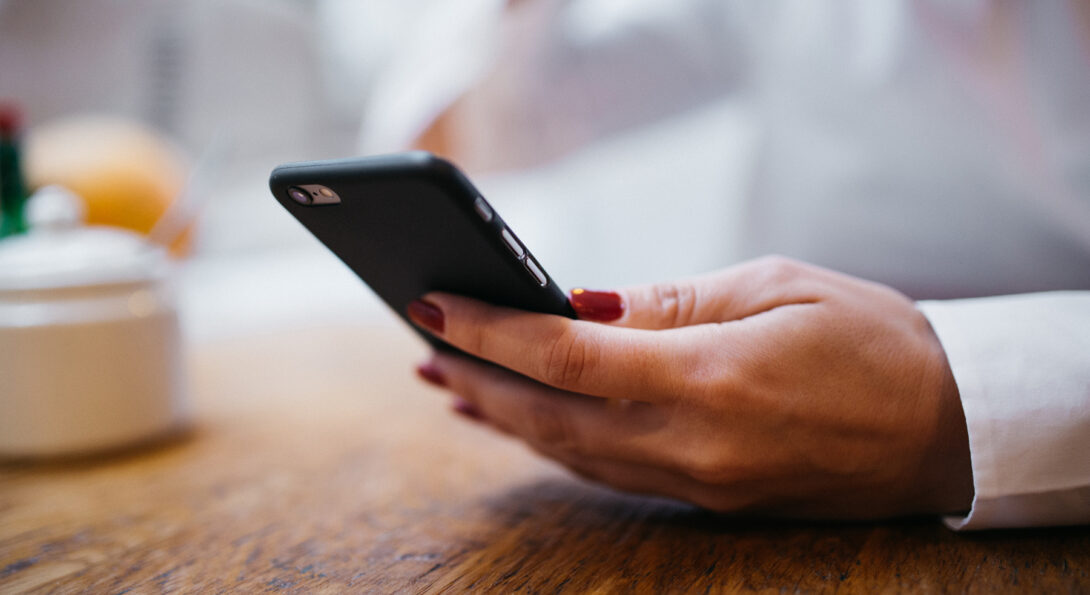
(1022, 366)
(542, 78)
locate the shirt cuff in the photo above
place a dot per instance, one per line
(1022, 367)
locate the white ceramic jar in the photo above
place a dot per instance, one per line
(90, 350)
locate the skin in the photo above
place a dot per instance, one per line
(772, 387)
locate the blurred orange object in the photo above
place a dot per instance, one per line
(126, 173)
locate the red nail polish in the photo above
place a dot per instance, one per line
(601, 306)
(466, 409)
(426, 314)
(429, 373)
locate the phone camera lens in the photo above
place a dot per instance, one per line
(300, 196)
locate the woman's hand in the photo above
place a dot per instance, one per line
(772, 387)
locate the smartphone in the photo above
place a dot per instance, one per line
(410, 223)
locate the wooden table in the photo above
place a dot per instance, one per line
(319, 464)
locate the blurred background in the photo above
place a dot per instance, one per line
(939, 148)
(248, 84)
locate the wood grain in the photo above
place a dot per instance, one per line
(318, 464)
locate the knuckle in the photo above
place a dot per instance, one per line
(777, 268)
(722, 383)
(473, 339)
(709, 467)
(480, 336)
(676, 301)
(569, 359)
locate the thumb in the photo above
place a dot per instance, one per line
(730, 294)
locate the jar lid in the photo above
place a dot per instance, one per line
(77, 257)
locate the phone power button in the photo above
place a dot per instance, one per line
(483, 209)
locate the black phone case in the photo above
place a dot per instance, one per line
(407, 225)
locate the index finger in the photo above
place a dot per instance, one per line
(572, 355)
(733, 293)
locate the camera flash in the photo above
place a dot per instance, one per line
(313, 195)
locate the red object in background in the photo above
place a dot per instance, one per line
(11, 119)
(13, 188)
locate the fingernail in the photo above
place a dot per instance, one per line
(429, 373)
(602, 306)
(466, 409)
(426, 314)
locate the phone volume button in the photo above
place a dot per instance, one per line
(535, 271)
(512, 243)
